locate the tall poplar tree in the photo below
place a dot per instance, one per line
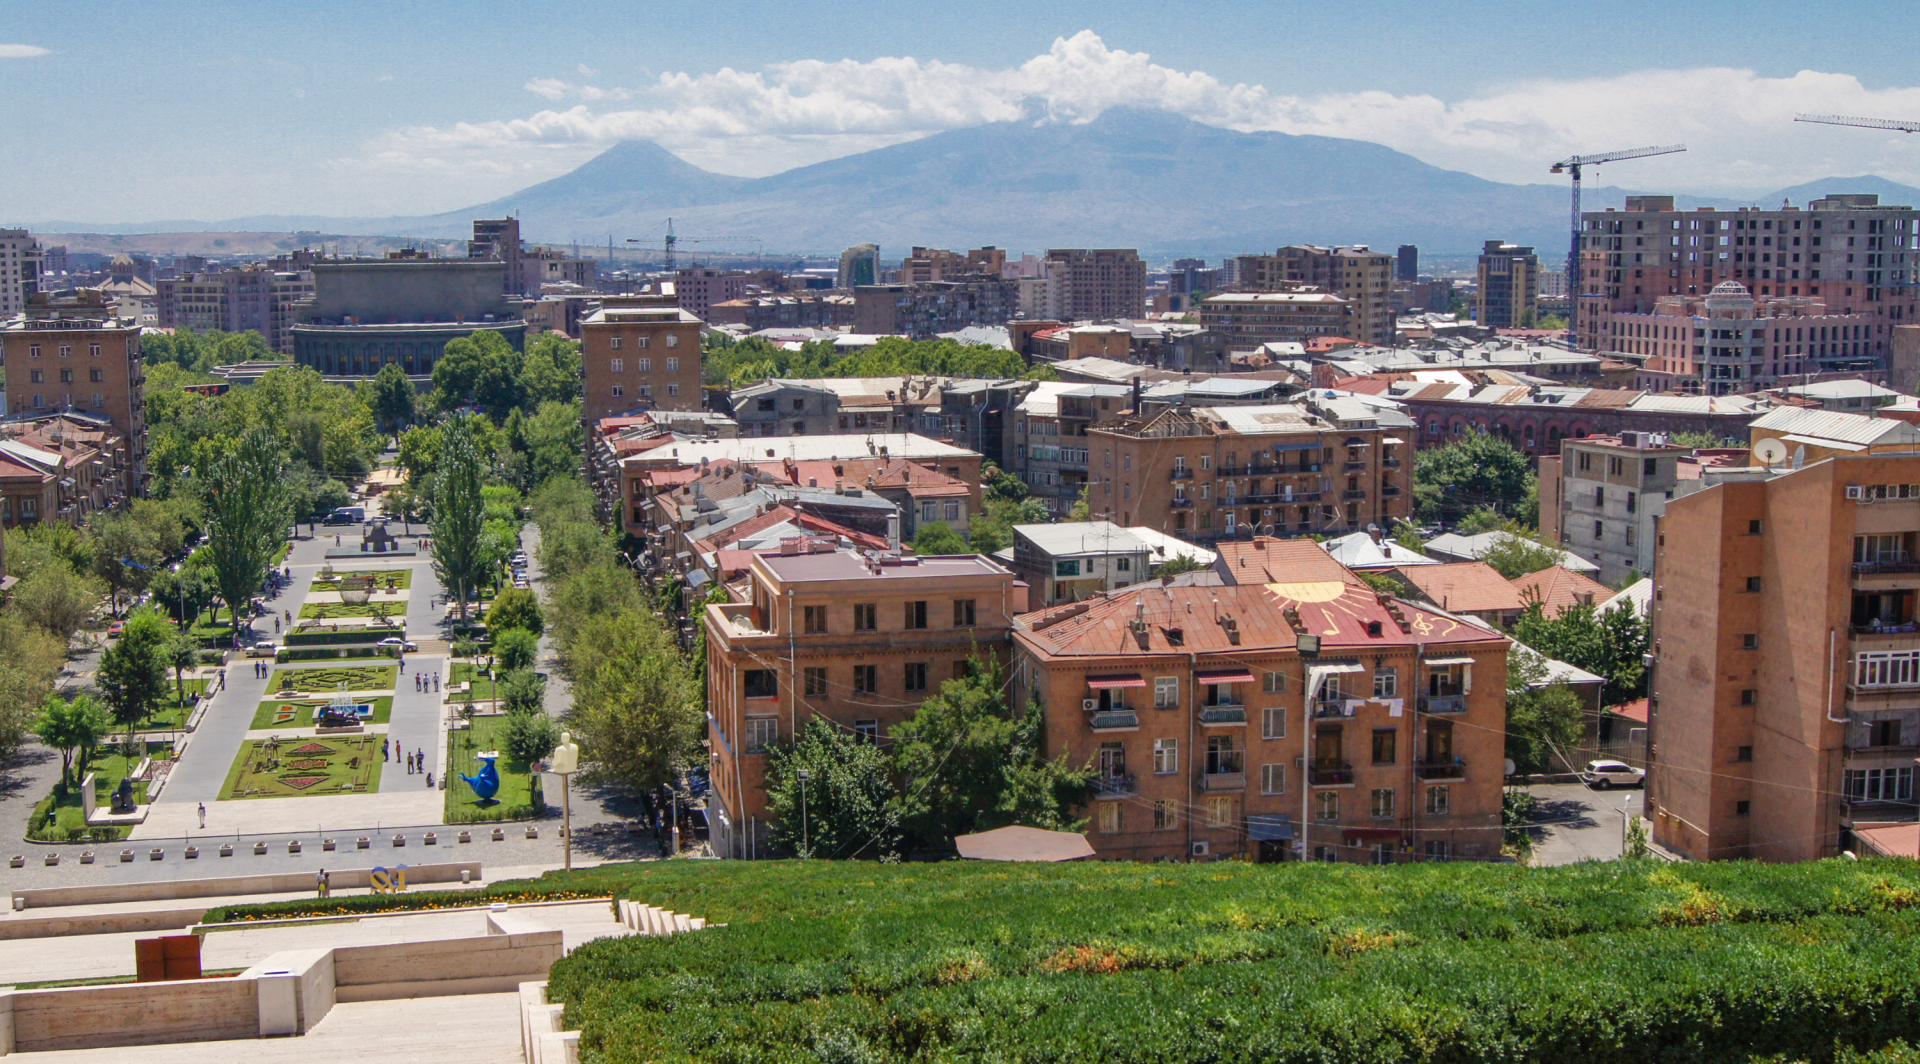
(459, 514)
(248, 512)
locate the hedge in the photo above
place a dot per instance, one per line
(359, 635)
(1628, 962)
(516, 890)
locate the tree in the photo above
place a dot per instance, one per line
(458, 555)
(550, 441)
(133, 672)
(1612, 644)
(970, 763)
(1001, 486)
(183, 593)
(247, 516)
(514, 608)
(1406, 535)
(182, 655)
(1473, 471)
(1082, 509)
(30, 659)
(516, 648)
(571, 546)
(1385, 584)
(530, 737)
(57, 599)
(419, 453)
(76, 729)
(1514, 555)
(937, 538)
(1484, 519)
(1698, 440)
(1179, 563)
(848, 808)
(125, 553)
(390, 396)
(522, 691)
(1541, 718)
(638, 712)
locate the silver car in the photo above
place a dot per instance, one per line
(1601, 775)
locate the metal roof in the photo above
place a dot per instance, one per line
(1837, 425)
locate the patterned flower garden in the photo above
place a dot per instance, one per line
(287, 768)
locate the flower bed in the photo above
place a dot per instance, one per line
(336, 764)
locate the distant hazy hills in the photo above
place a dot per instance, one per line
(1130, 178)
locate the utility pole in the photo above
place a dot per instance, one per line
(801, 775)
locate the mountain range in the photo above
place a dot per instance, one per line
(1130, 178)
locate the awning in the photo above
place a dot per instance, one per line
(1125, 679)
(1446, 661)
(1267, 828)
(1391, 439)
(1225, 676)
(1355, 441)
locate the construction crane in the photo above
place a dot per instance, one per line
(1865, 123)
(673, 241)
(1572, 165)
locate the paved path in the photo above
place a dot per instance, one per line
(1574, 823)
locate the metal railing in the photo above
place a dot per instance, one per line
(1453, 769)
(1443, 703)
(1223, 781)
(1323, 773)
(1180, 473)
(1114, 720)
(1900, 564)
(1909, 628)
(1224, 713)
(1115, 785)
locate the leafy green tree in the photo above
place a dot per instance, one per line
(1179, 563)
(516, 649)
(1612, 644)
(458, 554)
(638, 712)
(133, 672)
(30, 659)
(481, 370)
(998, 485)
(166, 522)
(182, 655)
(550, 373)
(1484, 519)
(183, 593)
(1514, 555)
(848, 807)
(390, 396)
(522, 690)
(572, 546)
(33, 547)
(57, 599)
(419, 453)
(1406, 535)
(1699, 440)
(937, 538)
(1385, 584)
(550, 442)
(1476, 470)
(1082, 509)
(76, 729)
(247, 517)
(1541, 718)
(530, 737)
(971, 763)
(125, 553)
(514, 608)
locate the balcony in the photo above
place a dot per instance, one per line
(1114, 720)
(1216, 782)
(1327, 708)
(1390, 492)
(1880, 629)
(1115, 785)
(1181, 503)
(1224, 713)
(1330, 774)
(1389, 463)
(1351, 495)
(1443, 703)
(1454, 769)
(1897, 564)
(1356, 467)
(1180, 473)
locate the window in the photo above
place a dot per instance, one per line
(1439, 801)
(1878, 784)
(1273, 683)
(816, 679)
(1753, 584)
(66, 376)
(1748, 696)
(39, 377)
(1742, 808)
(1750, 641)
(866, 679)
(762, 732)
(33, 350)
(1883, 732)
(915, 677)
(813, 619)
(1326, 805)
(642, 342)
(1220, 811)
(1273, 722)
(673, 340)
(95, 375)
(1166, 756)
(929, 511)
(1166, 692)
(950, 511)
(963, 613)
(1110, 818)
(864, 615)
(1273, 778)
(614, 343)
(1382, 804)
(673, 388)
(1435, 849)
(618, 391)
(673, 364)
(1753, 528)
(916, 614)
(1166, 816)
(1598, 532)
(1386, 683)
(644, 365)
(868, 729)
(1383, 746)
(66, 350)
(1066, 568)
(619, 365)
(760, 683)
(1744, 753)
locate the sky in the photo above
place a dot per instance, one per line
(213, 110)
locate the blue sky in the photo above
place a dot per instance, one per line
(213, 110)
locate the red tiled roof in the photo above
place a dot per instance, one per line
(1608, 397)
(1635, 710)
(1559, 587)
(1464, 587)
(1900, 839)
(1362, 385)
(917, 479)
(735, 533)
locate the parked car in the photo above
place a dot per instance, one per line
(396, 641)
(262, 650)
(114, 629)
(1601, 775)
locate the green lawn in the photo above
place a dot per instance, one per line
(275, 714)
(69, 816)
(462, 672)
(400, 578)
(519, 788)
(326, 611)
(329, 678)
(327, 764)
(174, 714)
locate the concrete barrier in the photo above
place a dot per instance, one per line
(98, 924)
(496, 964)
(132, 1014)
(275, 883)
(541, 1039)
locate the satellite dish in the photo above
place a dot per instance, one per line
(1770, 451)
(1510, 767)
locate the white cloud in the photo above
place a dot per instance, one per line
(587, 71)
(21, 51)
(1737, 122)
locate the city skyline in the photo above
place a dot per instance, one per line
(411, 109)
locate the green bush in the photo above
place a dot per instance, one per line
(325, 638)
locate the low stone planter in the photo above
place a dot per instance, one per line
(156, 853)
(533, 833)
(191, 852)
(53, 858)
(259, 847)
(362, 843)
(499, 835)
(18, 860)
(126, 856)
(86, 856)
(430, 839)
(399, 840)
(466, 836)
(226, 849)
(326, 844)
(293, 846)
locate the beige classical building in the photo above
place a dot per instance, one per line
(639, 353)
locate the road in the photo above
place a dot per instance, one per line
(1574, 822)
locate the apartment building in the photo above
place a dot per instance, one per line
(1785, 711)
(639, 352)
(20, 267)
(1406, 266)
(1250, 319)
(1294, 713)
(1602, 495)
(856, 639)
(922, 310)
(699, 288)
(258, 298)
(798, 311)
(1101, 283)
(1362, 277)
(1730, 342)
(1324, 465)
(498, 239)
(1509, 293)
(1850, 252)
(1050, 444)
(68, 352)
(61, 467)
(859, 265)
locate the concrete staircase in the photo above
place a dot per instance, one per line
(652, 920)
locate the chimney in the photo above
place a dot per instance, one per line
(1136, 394)
(893, 530)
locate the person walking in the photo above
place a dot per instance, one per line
(420, 756)
(203, 816)
(383, 749)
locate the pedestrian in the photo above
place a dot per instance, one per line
(203, 816)
(320, 883)
(429, 781)
(336, 539)
(383, 749)
(289, 616)
(436, 683)
(410, 764)
(276, 626)
(421, 756)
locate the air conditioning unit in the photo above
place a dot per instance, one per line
(1089, 704)
(1855, 491)
(1200, 849)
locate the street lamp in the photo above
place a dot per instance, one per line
(801, 775)
(564, 762)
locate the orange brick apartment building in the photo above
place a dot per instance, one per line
(70, 352)
(638, 353)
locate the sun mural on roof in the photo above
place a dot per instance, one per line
(1332, 595)
(1311, 591)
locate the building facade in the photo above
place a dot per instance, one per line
(1250, 319)
(922, 310)
(20, 265)
(403, 311)
(1300, 716)
(1362, 277)
(1096, 284)
(639, 352)
(699, 288)
(257, 298)
(1610, 491)
(858, 640)
(1730, 342)
(859, 265)
(1509, 292)
(68, 352)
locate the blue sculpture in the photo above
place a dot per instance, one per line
(487, 783)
